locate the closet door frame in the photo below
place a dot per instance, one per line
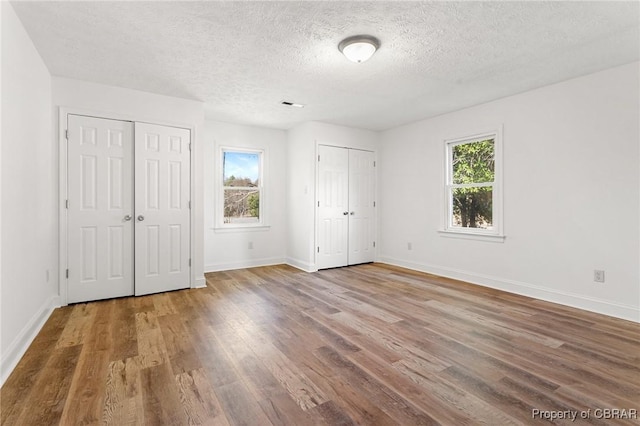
(316, 227)
(63, 113)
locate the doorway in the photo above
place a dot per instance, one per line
(345, 207)
(127, 208)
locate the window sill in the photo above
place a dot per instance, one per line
(465, 235)
(251, 228)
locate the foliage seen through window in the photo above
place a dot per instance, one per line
(472, 176)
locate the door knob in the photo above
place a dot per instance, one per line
(352, 213)
(345, 213)
(127, 218)
(140, 218)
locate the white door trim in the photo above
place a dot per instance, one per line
(63, 112)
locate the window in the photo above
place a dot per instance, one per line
(242, 196)
(472, 190)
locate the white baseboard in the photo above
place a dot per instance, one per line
(12, 354)
(617, 310)
(249, 263)
(304, 266)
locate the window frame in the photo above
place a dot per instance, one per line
(220, 190)
(495, 234)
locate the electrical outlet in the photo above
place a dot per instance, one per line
(598, 276)
(409, 246)
(47, 274)
(250, 245)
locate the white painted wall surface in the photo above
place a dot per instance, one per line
(229, 248)
(301, 182)
(571, 194)
(300, 190)
(142, 106)
(2, 24)
(29, 202)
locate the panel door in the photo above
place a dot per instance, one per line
(100, 208)
(162, 231)
(361, 207)
(333, 208)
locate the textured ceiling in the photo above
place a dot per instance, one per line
(242, 58)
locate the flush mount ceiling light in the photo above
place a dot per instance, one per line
(359, 48)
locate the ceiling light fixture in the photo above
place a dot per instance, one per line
(359, 48)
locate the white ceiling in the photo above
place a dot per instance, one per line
(242, 58)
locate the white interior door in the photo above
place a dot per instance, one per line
(346, 214)
(100, 208)
(162, 230)
(333, 207)
(361, 207)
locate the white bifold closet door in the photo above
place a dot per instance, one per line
(99, 208)
(126, 238)
(161, 208)
(346, 214)
(361, 207)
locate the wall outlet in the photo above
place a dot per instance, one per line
(598, 276)
(47, 274)
(250, 245)
(409, 246)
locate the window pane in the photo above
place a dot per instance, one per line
(241, 206)
(472, 207)
(241, 169)
(473, 162)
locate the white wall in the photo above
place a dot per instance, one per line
(229, 249)
(300, 191)
(29, 203)
(117, 102)
(301, 182)
(571, 194)
(2, 346)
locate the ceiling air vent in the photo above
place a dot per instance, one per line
(291, 104)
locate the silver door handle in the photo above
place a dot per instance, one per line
(127, 218)
(352, 213)
(345, 213)
(140, 218)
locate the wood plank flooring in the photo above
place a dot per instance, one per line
(371, 345)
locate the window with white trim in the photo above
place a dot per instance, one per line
(473, 195)
(241, 197)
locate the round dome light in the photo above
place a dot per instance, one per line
(359, 48)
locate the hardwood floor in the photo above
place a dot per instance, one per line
(371, 344)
